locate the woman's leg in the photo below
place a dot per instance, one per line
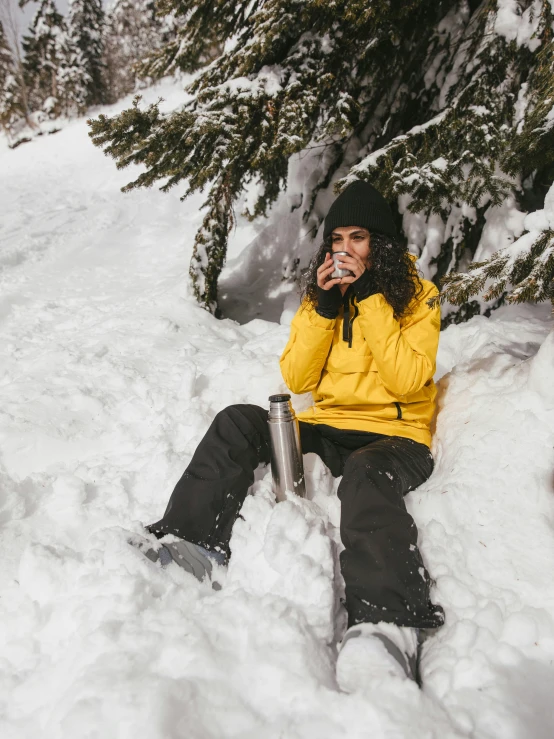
(382, 568)
(206, 501)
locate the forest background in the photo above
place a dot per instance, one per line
(448, 108)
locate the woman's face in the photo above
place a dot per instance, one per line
(353, 239)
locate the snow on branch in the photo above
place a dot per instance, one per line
(524, 270)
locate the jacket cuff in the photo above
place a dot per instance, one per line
(326, 312)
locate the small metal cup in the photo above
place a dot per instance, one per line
(338, 271)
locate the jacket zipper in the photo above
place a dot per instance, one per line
(347, 330)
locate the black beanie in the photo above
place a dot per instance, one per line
(360, 204)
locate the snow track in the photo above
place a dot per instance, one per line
(109, 377)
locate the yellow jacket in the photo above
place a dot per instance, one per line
(379, 381)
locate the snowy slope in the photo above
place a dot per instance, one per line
(109, 377)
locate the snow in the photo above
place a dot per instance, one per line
(518, 26)
(521, 106)
(372, 159)
(267, 81)
(439, 163)
(111, 373)
(479, 110)
(504, 223)
(265, 256)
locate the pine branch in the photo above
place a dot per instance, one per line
(524, 271)
(210, 245)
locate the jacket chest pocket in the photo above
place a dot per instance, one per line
(344, 360)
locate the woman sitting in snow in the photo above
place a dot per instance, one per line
(365, 346)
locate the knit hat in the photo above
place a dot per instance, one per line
(360, 204)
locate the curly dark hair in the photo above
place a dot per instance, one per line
(395, 274)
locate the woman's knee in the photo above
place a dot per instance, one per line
(231, 409)
(243, 421)
(396, 464)
(368, 462)
(371, 477)
(238, 411)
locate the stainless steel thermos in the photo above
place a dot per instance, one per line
(287, 468)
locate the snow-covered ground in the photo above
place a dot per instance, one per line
(110, 374)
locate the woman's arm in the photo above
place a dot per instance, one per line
(405, 356)
(310, 340)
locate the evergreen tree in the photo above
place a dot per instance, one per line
(11, 106)
(446, 107)
(5, 54)
(194, 34)
(133, 32)
(14, 95)
(42, 47)
(72, 80)
(85, 48)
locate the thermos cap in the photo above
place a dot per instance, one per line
(280, 408)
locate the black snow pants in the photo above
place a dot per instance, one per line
(383, 571)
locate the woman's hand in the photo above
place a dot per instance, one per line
(354, 264)
(323, 274)
(328, 293)
(363, 279)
